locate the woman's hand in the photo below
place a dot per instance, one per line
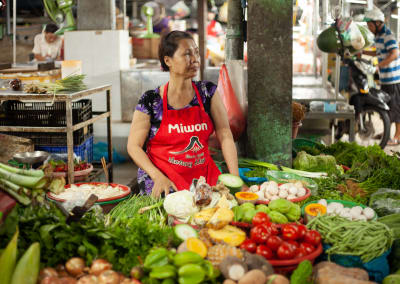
(162, 184)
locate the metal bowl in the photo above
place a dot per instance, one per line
(31, 157)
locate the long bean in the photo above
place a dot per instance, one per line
(365, 239)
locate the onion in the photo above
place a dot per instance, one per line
(75, 266)
(109, 277)
(67, 280)
(61, 270)
(100, 265)
(136, 272)
(88, 279)
(47, 271)
(50, 280)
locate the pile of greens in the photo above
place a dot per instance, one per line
(370, 166)
(124, 243)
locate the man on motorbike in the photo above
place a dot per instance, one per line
(387, 51)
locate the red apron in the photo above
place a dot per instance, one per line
(180, 147)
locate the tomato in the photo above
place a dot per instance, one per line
(265, 251)
(275, 229)
(249, 245)
(290, 232)
(301, 231)
(259, 234)
(294, 244)
(260, 218)
(308, 248)
(274, 242)
(300, 252)
(286, 251)
(312, 237)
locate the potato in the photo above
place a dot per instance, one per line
(229, 281)
(277, 279)
(333, 268)
(254, 276)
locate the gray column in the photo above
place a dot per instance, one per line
(234, 33)
(270, 80)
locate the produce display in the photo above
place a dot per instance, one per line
(276, 231)
(62, 166)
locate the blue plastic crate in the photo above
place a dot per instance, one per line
(85, 150)
(377, 269)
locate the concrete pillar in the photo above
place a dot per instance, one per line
(202, 20)
(270, 54)
(234, 32)
(96, 15)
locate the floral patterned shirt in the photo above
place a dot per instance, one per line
(151, 103)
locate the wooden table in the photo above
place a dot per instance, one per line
(69, 128)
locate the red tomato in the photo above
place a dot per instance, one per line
(286, 251)
(300, 252)
(301, 231)
(290, 232)
(275, 229)
(308, 248)
(274, 242)
(259, 234)
(294, 244)
(312, 237)
(249, 245)
(260, 218)
(265, 251)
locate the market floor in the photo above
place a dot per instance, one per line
(124, 173)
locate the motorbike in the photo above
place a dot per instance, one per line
(370, 105)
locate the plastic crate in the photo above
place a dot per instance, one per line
(54, 139)
(377, 269)
(16, 113)
(84, 150)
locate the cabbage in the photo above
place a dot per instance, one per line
(321, 163)
(181, 205)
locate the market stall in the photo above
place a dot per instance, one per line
(332, 218)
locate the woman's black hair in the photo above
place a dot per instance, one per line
(51, 28)
(169, 44)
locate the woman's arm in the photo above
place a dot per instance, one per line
(224, 134)
(137, 136)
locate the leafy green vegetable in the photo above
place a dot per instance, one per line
(256, 172)
(320, 163)
(121, 243)
(302, 273)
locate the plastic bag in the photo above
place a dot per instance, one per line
(202, 192)
(385, 201)
(237, 120)
(284, 177)
(353, 37)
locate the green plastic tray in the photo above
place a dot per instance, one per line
(347, 204)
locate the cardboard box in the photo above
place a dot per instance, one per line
(145, 48)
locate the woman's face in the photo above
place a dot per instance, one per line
(50, 37)
(186, 59)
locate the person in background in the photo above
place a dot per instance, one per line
(387, 51)
(48, 45)
(171, 125)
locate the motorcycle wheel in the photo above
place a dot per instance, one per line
(376, 122)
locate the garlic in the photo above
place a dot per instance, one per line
(274, 197)
(292, 190)
(283, 193)
(301, 192)
(298, 184)
(369, 213)
(291, 197)
(272, 188)
(285, 186)
(254, 188)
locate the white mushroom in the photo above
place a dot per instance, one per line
(369, 213)
(283, 193)
(292, 190)
(355, 212)
(301, 192)
(254, 188)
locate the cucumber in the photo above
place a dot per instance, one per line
(184, 231)
(234, 183)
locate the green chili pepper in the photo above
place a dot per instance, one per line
(157, 257)
(163, 272)
(191, 274)
(187, 257)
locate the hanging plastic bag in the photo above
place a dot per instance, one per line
(236, 118)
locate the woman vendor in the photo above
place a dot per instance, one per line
(175, 122)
